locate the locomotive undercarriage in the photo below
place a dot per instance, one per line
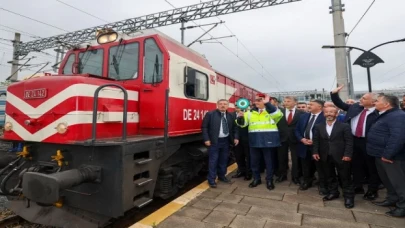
(87, 186)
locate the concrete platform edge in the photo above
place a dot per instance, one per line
(164, 212)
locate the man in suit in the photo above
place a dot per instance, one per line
(333, 149)
(286, 127)
(386, 143)
(361, 116)
(242, 153)
(304, 133)
(302, 106)
(219, 131)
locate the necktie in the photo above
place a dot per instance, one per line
(225, 129)
(309, 127)
(360, 124)
(290, 117)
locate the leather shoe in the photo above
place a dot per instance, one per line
(248, 177)
(255, 183)
(270, 185)
(397, 212)
(349, 202)
(370, 195)
(359, 190)
(238, 175)
(330, 197)
(212, 185)
(225, 180)
(305, 186)
(323, 192)
(281, 178)
(296, 181)
(385, 203)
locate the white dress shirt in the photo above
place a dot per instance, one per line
(221, 131)
(287, 113)
(355, 121)
(316, 117)
(329, 128)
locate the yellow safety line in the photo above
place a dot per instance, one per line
(164, 212)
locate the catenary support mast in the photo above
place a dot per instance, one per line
(340, 53)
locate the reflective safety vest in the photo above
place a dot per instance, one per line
(263, 131)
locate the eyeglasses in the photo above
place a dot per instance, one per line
(259, 99)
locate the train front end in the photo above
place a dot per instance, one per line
(51, 170)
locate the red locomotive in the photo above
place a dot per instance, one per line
(119, 125)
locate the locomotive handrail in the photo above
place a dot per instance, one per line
(95, 109)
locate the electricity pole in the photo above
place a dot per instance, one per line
(14, 62)
(349, 65)
(340, 54)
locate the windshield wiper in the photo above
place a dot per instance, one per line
(116, 58)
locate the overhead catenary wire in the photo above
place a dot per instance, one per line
(235, 54)
(64, 3)
(20, 31)
(358, 22)
(32, 19)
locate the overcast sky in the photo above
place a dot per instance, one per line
(285, 39)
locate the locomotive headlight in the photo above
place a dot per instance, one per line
(8, 126)
(61, 128)
(106, 36)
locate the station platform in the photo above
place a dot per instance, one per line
(238, 206)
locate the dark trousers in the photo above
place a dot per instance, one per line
(255, 155)
(329, 180)
(282, 155)
(242, 156)
(218, 155)
(308, 167)
(393, 178)
(363, 164)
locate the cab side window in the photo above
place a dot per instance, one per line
(153, 62)
(196, 85)
(67, 69)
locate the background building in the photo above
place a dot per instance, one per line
(307, 95)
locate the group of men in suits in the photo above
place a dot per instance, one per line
(320, 139)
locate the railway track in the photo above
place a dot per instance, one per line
(9, 220)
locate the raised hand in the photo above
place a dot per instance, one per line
(338, 89)
(266, 99)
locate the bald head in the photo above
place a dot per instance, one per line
(368, 100)
(328, 104)
(350, 101)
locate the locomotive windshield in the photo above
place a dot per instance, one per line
(91, 62)
(123, 61)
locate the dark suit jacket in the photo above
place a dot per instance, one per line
(353, 110)
(287, 131)
(212, 124)
(300, 130)
(339, 144)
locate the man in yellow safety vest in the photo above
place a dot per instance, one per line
(263, 136)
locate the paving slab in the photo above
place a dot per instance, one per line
(378, 219)
(277, 224)
(359, 205)
(270, 204)
(259, 193)
(230, 198)
(219, 217)
(193, 212)
(320, 222)
(331, 213)
(208, 204)
(209, 194)
(247, 221)
(304, 199)
(233, 208)
(178, 221)
(276, 214)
